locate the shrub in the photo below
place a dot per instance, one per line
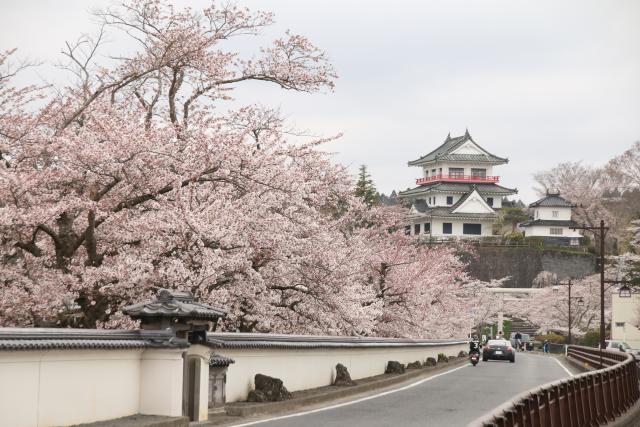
(590, 339)
(552, 338)
(515, 237)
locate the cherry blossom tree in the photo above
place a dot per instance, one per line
(624, 170)
(581, 184)
(130, 179)
(548, 308)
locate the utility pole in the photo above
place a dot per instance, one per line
(580, 304)
(569, 337)
(599, 232)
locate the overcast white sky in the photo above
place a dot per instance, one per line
(538, 82)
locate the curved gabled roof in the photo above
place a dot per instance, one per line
(173, 304)
(552, 200)
(458, 187)
(445, 152)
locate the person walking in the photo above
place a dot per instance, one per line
(518, 338)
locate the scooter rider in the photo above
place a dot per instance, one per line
(473, 346)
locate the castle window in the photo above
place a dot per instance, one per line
(555, 231)
(478, 173)
(447, 228)
(472, 229)
(427, 228)
(449, 200)
(554, 214)
(456, 172)
(407, 230)
(490, 201)
(416, 229)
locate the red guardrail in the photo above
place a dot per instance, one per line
(457, 178)
(590, 399)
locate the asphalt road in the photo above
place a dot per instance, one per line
(449, 400)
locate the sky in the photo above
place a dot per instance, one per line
(538, 82)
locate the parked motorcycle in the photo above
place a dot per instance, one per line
(475, 358)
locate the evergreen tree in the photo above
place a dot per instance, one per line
(513, 216)
(365, 189)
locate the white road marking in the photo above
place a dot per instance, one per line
(362, 399)
(563, 367)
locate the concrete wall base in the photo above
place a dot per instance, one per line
(141, 421)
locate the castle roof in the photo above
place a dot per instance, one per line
(458, 188)
(424, 209)
(552, 200)
(550, 223)
(446, 151)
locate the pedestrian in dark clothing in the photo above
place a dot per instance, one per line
(518, 338)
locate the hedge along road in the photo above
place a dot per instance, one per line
(452, 398)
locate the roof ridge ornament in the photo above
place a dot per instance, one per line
(448, 136)
(466, 133)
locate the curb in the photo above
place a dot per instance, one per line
(244, 409)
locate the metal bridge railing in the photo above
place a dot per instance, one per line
(590, 399)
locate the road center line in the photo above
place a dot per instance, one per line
(563, 367)
(362, 399)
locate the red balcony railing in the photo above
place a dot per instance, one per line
(457, 178)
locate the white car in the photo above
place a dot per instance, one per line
(622, 346)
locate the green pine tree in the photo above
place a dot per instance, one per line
(513, 216)
(365, 189)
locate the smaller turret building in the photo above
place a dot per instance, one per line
(552, 221)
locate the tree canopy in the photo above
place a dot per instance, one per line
(129, 179)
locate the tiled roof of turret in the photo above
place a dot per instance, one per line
(445, 152)
(458, 187)
(550, 223)
(174, 304)
(552, 200)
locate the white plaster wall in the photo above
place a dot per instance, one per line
(474, 204)
(161, 382)
(436, 227)
(302, 369)
(64, 387)
(564, 214)
(543, 231)
(468, 148)
(624, 310)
